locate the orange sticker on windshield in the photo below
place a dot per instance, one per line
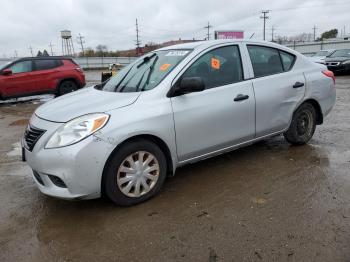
(215, 63)
(164, 67)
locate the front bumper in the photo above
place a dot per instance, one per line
(79, 166)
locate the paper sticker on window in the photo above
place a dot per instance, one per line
(164, 67)
(215, 63)
(177, 53)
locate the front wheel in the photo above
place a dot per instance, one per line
(303, 125)
(67, 87)
(135, 173)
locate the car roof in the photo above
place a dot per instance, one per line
(207, 44)
(44, 58)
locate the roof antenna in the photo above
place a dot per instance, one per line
(251, 36)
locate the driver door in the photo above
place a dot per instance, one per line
(217, 117)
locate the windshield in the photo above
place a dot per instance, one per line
(147, 72)
(322, 53)
(341, 53)
(3, 64)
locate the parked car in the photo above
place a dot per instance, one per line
(174, 106)
(320, 56)
(40, 75)
(339, 61)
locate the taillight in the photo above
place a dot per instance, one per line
(329, 74)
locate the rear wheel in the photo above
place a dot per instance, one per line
(66, 87)
(303, 125)
(135, 173)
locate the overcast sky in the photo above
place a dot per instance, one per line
(36, 23)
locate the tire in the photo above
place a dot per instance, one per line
(303, 125)
(66, 87)
(121, 187)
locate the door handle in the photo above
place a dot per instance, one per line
(240, 97)
(298, 84)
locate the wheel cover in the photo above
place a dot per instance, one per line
(138, 174)
(67, 87)
(304, 123)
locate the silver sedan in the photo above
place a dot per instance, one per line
(171, 107)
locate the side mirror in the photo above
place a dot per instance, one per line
(188, 85)
(6, 72)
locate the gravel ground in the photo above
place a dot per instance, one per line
(266, 202)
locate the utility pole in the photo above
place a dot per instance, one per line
(272, 33)
(138, 42)
(51, 45)
(16, 54)
(264, 16)
(31, 50)
(314, 28)
(208, 28)
(81, 42)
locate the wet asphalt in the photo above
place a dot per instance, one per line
(266, 202)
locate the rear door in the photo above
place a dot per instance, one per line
(214, 119)
(20, 82)
(278, 88)
(45, 70)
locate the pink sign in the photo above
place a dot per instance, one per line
(229, 34)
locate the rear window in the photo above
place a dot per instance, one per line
(287, 60)
(45, 64)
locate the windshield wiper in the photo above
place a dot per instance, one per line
(146, 59)
(138, 66)
(151, 68)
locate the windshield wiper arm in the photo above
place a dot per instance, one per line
(146, 59)
(151, 68)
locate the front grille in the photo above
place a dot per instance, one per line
(31, 136)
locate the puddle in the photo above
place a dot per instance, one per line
(16, 149)
(20, 122)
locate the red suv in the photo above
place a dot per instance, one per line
(40, 75)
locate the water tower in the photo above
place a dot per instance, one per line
(67, 43)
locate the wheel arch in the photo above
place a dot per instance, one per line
(316, 105)
(155, 139)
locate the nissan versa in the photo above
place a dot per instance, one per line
(173, 106)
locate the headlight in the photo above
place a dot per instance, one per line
(346, 62)
(77, 129)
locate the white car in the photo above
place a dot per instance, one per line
(320, 56)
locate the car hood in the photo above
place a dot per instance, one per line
(85, 101)
(337, 59)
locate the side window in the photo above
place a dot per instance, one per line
(45, 64)
(218, 67)
(287, 60)
(265, 60)
(21, 67)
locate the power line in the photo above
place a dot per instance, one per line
(31, 50)
(264, 16)
(81, 42)
(138, 42)
(314, 28)
(208, 28)
(51, 45)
